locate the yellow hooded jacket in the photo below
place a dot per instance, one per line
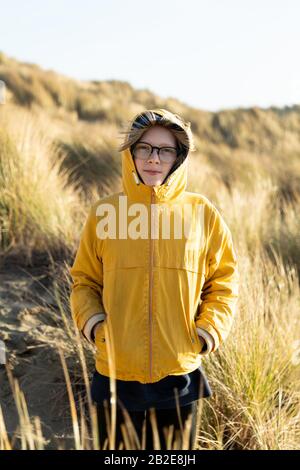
(154, 291)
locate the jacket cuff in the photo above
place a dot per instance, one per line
(207, 327)
(89, 325)
(209, 340)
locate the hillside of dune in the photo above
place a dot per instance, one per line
(58, 155)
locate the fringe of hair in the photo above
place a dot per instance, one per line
(181, 129)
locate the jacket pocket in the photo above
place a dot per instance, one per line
(100, 335)
(197, 346)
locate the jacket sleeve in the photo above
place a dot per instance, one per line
(87, 276)
(221, 286)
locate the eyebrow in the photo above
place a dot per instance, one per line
(163, 144)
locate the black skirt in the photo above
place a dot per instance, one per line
(137, 396)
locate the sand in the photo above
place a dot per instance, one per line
(30, 326)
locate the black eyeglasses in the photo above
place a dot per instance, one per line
(143, 151)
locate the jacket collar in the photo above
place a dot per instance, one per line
(172, 189)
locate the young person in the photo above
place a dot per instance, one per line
(155, 283)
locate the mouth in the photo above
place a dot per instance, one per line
(152, 172)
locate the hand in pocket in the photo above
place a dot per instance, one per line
(99, 334)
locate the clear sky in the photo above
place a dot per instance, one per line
(210, 54)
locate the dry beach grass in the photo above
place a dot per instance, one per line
(58, 141)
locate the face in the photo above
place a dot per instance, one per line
(153, 171)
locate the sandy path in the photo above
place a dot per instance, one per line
(26, 325)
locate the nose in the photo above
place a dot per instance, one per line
(154, 156)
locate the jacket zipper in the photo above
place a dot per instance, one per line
(150, 284)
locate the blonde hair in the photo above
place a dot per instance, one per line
(173, 122)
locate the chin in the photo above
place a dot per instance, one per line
(150, 182)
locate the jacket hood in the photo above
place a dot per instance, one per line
(171, 190)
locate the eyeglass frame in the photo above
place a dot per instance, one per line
(158, 150)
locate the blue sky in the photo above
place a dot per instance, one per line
(213, 54)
